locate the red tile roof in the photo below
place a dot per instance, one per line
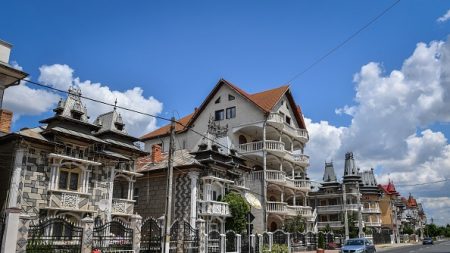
(264, 100)
(389, 189)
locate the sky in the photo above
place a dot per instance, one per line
(384, 95)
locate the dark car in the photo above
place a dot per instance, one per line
(358, 245)
(427, 240)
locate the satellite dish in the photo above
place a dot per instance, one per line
(103, 204)
(252, 200)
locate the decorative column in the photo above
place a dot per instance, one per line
(110, 195)
(87, 223)
(193, 175)
(136, 224)
(222, 243)
(260, 242)
(15, 180)
(202, 235)
(22, 233)
(238, 243)
(9, 240)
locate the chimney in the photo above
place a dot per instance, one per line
(156, 153)
(5, 120)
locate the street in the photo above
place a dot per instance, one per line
(438, 247)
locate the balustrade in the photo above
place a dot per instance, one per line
(216, 208)
(276, 207)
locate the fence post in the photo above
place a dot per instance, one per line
(201, 233)
(10, 238)
(260, 242)
(270, 234)
(222, 243)
(24, 226)
(238, 243)
(289, 242)
(136, 224)
(251, 243)
(87, 223)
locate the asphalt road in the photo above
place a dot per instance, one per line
(438, 247)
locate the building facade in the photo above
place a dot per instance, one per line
(70, 167)
(267, 130)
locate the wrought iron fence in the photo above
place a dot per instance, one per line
(151, 239)
(214, 241)
(245, 243)
(230, 241)
(174, 235)
(112, 236)
(54, 234)
(280, 237)
(2, 227)
(191, 238)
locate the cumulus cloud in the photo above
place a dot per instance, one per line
(24, 100)
(391, 122)
(444, 17)
(61, 77)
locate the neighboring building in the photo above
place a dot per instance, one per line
(413, 215)
(69, 166)
(266, 129)
(391, 210)
(9, 76)
(360, 201)
(201, 180)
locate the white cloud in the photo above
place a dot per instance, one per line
(61, 77)
(24, 100)
(390, 123)
(444, 17)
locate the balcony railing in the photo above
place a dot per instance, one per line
(304, 211)
(214, 208)
(371, 210)
(293, 131)
(298, 183)
(122, 206)
(372, 223)
(276, 176)
(69, 200)
(279, 177)
(277, 207)
(333, 224)
(259, 145)
(298, 158)
(329, 209)
(353, 207)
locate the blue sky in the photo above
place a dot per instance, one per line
(176, 52)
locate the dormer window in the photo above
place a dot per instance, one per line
(231, 97)
(217, 100)
(119, 126)
(288, 120)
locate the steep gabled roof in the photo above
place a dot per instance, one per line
(265, 101)
(390, 189)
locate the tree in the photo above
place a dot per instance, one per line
(296, 224)
(239, 209)
(353, 230)
(407, 229)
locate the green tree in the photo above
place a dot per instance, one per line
(407, 229)
(238, 208)
(296, 224)
(321, 241)
(353, 230)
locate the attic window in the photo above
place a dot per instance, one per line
(230, 97)
(282, 102)
(217, 100)
(288, 120)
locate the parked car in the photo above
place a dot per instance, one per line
(427, 240)
(358, 245)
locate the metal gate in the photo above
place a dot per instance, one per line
(214, 242)
(54, 235)
(112, 236)
(190, 238)
(230, 241)
(2, 228)
(151, 240)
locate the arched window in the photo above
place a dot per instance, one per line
(242, 139)
(120, 188)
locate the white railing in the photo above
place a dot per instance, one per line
(354, 207)
(119, 206)
(276, 175)
(372, 223)
(298, 183)
(215, 208)
(333, 224)
(275, 117)
(276, 207)
(371, 210)
(304, 211)
(330, 208)
(301, 158)
(259, 145)
(303, 134)
(275, 145)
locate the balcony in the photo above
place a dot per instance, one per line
(276, 146)
(69, 200)
(372, 223)
(329, 209)
(300, 159)
(304, 211)
(277, 207)
(333, 224)
(277, 120)
(213, 208)
(352, 207)
(122, 206)
(371, 210)
(279, 177)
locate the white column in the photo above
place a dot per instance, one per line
(111, 189)
(130, 186)
(295, 199)
(193, 175)
(15, 179)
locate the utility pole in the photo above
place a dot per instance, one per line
(360, 225)
(344, 197)
(168, 214)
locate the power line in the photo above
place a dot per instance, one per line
(427, 183)
(334, 49)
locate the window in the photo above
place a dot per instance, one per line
(230, 97)
(231, 112)
(136, 195)
(68, 180)
(217, 100)
(219, 115)
(288, 120)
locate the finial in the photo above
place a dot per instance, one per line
(115, 104)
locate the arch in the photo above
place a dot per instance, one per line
(69, 164)
(121, 219)
(242, 139)
(67, 216)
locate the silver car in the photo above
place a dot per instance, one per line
(358, 245)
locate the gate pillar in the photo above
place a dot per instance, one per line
(87, 224)
(136, 224)
(202, 234)
(222, 243)
(260, 241)
(10, 234)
